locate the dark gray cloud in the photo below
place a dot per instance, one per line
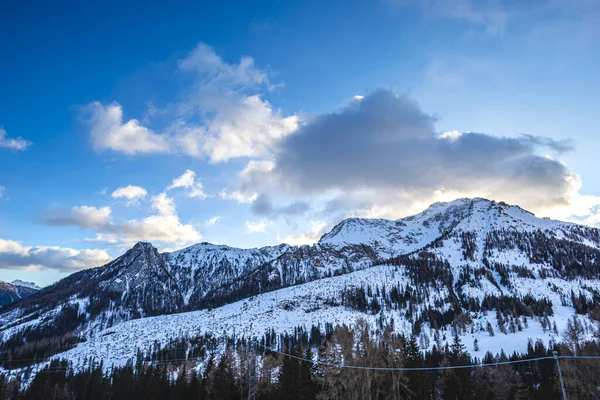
(386, 142)
(263, 205)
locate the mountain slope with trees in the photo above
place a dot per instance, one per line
(491, 274)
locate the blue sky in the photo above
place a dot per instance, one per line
(253, 124)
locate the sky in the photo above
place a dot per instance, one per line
(255, 123)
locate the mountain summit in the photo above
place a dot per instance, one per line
(471, 265)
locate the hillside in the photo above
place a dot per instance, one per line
(486, 271)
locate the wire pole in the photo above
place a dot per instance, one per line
(562, 382)
(251, 371)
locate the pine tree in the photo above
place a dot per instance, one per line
(456, 383)
(418, 381)
(196, 390)
(289, 376)
(221, 383)
(458, 352)
(180, 388)
(157, 387)
(453, 388)
(307, 377)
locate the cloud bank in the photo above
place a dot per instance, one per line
(13, 255)
(163, 226)
(384, 144)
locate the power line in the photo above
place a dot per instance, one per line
(447, 367)
(555, 357)
(579, 357)
(342, 366)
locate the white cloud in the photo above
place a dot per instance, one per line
(260, 226)
(256, 176)
(102, 238)
(13, 255)
(206, 63)
(131, 193)
(257, 166)
(318, 228)
(237, 121)
(577, 207)
(244, 127)
(188, 180)
(593, 219)
(163, 204)
(91, 215)
(450, 135)
(87, 217)
(380, 156)
(15, 144)
(164, 226)
(2, 191)
(109, 132)
(212, 221)
(240, 197)
(197, 192)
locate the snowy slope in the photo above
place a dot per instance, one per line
(311, 304)
(400, 236)
(456, 267)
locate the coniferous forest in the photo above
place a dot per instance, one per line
(192, 370)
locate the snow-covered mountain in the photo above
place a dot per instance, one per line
(15, 290)
(471, 266)
(30, 285)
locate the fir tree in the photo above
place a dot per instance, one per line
(418, 381)
(221, 384)
(290, 376)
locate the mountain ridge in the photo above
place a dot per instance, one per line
(343, 248)
(449, 263)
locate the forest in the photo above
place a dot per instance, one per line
(196, 369)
